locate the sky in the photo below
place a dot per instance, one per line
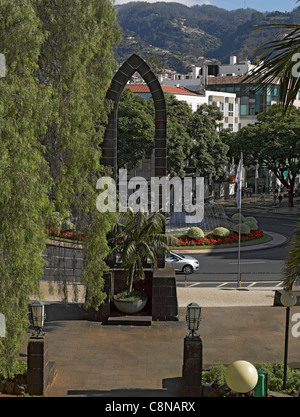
(260, 5)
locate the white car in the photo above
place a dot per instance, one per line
(183, 263)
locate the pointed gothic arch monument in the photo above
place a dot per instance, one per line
(164, 304)
(109, 145)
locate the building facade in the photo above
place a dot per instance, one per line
(228, 103)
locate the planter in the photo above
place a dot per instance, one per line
(129, 306)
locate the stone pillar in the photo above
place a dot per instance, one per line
(164, 294)
(192, 367)
(40, 372)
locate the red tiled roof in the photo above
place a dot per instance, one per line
(143, 88)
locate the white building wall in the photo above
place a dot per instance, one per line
(235, 67)
(227, 103)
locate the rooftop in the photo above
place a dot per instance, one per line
(143, 88)
(226, 79)
(230, 79)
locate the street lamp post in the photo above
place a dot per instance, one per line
(192, 356)
(288, 299)
(193, 318)
(38, 316)
(40, 371)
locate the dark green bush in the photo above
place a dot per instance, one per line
(216, 373)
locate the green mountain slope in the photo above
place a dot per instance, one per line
(182, 35)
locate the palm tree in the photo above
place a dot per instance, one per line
(277, 61)
(292, 264)
(137, 237)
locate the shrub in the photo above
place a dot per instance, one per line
(275, 376)
(195, 233)
(55, 221)
(131, 296)
(250, 218)
(216, 373)
(245, 229)
(237, 216)
(221, 232)
(67, 225)
(252, 224)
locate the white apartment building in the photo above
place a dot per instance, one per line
(228, 103)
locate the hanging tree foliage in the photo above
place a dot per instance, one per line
(25, 179)
(52, 118)
(77, 62)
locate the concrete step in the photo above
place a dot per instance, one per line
(124, 320)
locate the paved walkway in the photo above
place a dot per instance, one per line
(112, 361)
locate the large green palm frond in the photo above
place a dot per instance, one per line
(276, 63)
(292, 264)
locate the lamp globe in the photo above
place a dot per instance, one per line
(288, 299)
(241, 376)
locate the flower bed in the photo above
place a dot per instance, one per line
(183, 241)
(211, 240)
(65, 234)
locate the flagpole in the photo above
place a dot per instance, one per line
(239, 251)
(239, 203)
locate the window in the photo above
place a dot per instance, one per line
(244, 110)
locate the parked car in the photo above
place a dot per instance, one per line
(183, 263)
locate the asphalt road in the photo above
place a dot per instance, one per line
(258, 268)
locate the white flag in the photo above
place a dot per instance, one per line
(239, 179)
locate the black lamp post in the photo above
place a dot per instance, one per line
(288, 299)
(192, 355)
(193, 318)
(38, 317)
(40, 371)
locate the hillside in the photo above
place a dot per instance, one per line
(181, 35)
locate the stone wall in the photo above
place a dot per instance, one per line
(65, 261)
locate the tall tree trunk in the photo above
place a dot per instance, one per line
(131, 278)
(291, 197)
